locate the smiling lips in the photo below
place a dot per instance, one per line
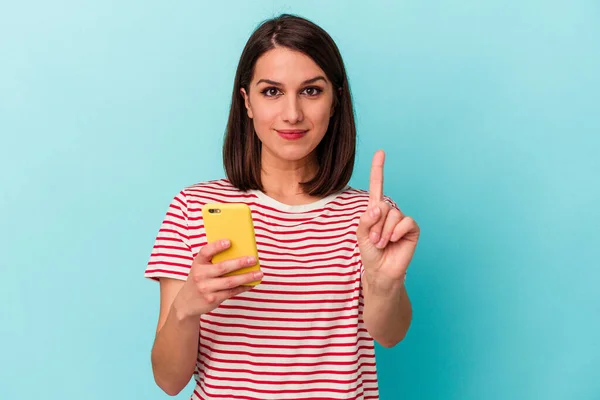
(292, 134)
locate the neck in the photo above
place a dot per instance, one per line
(281, 179)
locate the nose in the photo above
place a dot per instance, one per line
(292, 110)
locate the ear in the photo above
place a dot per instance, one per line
(246, 102)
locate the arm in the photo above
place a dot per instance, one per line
(387, 311)
(176, 344)
(387, 240)
(175, 349)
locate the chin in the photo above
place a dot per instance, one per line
(293, 154)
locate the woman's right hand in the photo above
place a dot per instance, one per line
(206, 287)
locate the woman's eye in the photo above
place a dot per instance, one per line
(312, 91)
(271, 92)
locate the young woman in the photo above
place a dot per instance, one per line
(333, 258)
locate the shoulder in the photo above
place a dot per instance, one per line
(212, 186)
(354, 195)
(213, 191)
(361, 197)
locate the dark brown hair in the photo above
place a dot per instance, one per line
(335, 152)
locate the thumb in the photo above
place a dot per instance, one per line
(369, 218)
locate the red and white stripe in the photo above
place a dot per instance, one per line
(300, 333)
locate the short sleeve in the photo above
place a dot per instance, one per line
(171, 256)
(391, 202)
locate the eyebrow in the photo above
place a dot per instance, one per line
(306, 82)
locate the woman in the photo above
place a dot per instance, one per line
(334, 258)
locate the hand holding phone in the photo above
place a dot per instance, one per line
(232, 221)
(209, 283)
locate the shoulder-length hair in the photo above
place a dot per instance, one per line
(335, 152)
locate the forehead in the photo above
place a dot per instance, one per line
(286, 66)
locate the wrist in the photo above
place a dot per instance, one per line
(180, 314)
(383, 285)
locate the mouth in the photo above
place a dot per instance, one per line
(292, 134)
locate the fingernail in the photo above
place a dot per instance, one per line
(381, 243)
(225, 242)
(251, 260)
(374, 211)
(258, 275)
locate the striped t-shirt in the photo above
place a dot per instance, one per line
(299, 334)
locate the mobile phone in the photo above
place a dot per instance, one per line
(232, 221)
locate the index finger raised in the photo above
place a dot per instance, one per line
(376, 178)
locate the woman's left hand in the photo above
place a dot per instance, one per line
(387, 239)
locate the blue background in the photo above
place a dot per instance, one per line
(488, 112)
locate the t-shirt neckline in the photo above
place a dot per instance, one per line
(297, 208)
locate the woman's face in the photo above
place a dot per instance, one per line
(290, 101)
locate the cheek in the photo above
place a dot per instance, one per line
(264, 114)
(319, 114)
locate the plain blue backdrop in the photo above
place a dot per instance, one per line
(488, 112)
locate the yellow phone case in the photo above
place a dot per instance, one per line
(232, 221)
